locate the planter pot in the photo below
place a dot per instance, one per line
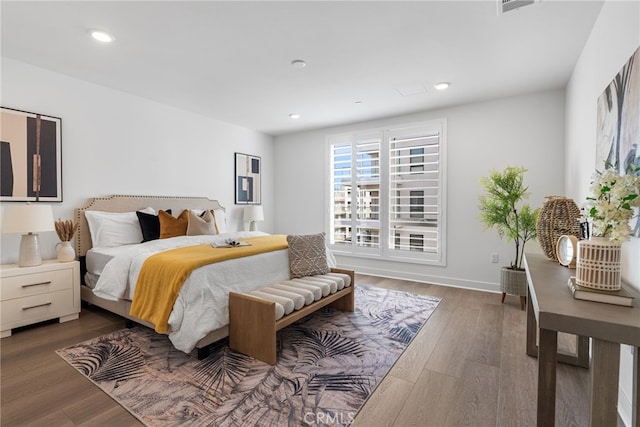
(513, 282)
(599, 264)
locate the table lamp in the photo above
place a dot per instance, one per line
(253, 214)
(30, 219)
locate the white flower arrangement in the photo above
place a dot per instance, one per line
(612, 205)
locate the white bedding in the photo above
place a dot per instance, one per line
(202, 304)
(97, 258)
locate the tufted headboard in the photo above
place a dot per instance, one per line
(120, 203)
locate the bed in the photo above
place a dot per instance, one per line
(235, 274)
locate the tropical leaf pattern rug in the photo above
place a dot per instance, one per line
(328, 365)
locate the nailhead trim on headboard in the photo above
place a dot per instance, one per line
(124, 203)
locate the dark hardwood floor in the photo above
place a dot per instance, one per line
(467, 366)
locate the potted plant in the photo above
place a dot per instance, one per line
(502, 209)
(65, 231)
(610, 209)
(611, 204)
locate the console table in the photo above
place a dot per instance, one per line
(552, 309)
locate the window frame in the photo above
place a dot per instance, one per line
(387, 237)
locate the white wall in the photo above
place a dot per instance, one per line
(523, 130)
(614, 38)
(116, 143)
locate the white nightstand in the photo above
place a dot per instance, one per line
(33, 294)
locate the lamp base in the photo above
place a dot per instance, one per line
(29, 251)
(253, 225)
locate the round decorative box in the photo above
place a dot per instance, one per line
(558, 216)
(599, 264)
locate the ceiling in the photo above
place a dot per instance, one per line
(232, 60)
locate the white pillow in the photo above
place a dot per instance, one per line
(221, 220)
(109, 229)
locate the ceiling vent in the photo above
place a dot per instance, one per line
(509, 5)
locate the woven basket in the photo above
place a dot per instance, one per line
(599, 264)
(559, 215)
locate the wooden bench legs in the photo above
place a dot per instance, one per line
(252, 325)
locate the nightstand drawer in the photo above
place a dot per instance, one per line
(35, 283)
(35, 308)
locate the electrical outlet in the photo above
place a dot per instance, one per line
(495, 258)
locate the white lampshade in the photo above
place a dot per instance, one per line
(252, 214)
(29, 219)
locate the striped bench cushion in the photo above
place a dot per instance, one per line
(291, 295)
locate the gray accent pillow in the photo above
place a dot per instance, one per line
(307, 255)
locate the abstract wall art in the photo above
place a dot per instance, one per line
(247, 179)
(618, 119)
(30, 156)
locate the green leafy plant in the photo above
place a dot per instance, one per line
(502, 209)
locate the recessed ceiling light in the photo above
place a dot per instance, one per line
(442, 85)
(294, 115)
(298, 63)
(358, 102)
(102, 36)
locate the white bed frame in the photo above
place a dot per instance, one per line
(122, 203)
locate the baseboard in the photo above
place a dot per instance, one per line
(626, 384)
(624, 407)
(433, 280)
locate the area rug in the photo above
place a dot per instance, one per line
(328, 365)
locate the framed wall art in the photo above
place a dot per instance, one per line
(247, 179)
(618, 121)
(30, 157)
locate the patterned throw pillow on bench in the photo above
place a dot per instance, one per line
(307, 255)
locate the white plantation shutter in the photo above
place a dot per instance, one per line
(368, 192)
(355, 192)
(414, 183)
(341, 185)
(387, 193)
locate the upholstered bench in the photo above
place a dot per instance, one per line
(255, 317)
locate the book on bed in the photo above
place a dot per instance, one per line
(229, 243)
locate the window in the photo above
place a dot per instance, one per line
(388, 192)
(355, 193)
(368, 193)
(341, 197)
(416, 202)
(416, 242)
(416, 160)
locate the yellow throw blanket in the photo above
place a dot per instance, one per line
(163, 274)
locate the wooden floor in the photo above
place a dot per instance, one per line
(467, 366)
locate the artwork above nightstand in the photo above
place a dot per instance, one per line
(30, 295)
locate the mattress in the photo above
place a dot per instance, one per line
(97, 258)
